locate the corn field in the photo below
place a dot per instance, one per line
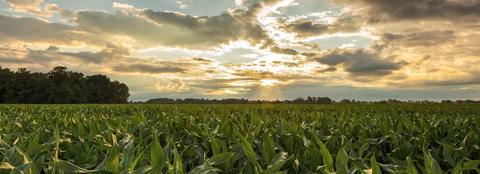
(266, 139)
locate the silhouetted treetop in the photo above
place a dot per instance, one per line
(59, 86)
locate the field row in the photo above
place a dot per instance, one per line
(360, 138)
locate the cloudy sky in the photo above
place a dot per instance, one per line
(257, 49)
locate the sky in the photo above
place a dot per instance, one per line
(255, 49)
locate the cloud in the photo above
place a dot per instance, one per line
(109, 53)
(148, 28)
(52, 54)
(239, 3)
(212, 31)
(254, 74)
(8, 55)
(158, 68)
(383, 10)
(144, 28)
(37, 7)
(360, 62)
(181, 5)
(151, 28)
(187, 66)
(328, 69)
(419, 39)
(28, 56)
(222, 87)
(31, 6)
(33, 30)
(472, 79)
(264, 7)
(307, 28)
(202, 60)
(279, 50)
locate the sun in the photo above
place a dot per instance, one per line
(268, 82)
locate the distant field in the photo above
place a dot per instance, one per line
(362, 138)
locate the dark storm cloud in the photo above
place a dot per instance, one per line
(308, 27)
(360, 62)
(202, 60)
(279, 50)
(148, 68)
(380, 10)
(328, 69)
(52, 48)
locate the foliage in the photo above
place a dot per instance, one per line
(309, 100)
(59, 86)
(300, 100)
(360, 138)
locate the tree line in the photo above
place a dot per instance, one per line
(59, 86)
(300, 100)
(308, 100)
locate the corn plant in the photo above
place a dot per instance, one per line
(259, 139)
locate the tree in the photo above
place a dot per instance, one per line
(98, 86)
(5, 76)
(67, 86)
(59, 86)
(119, 92)
(25, 87)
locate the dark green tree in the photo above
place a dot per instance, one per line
(5, 77)
(67, 86)
(59, 86)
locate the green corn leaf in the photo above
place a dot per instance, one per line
(56, 136)
(250, 153)
(411, 166)
(215, 145)
(177, 163)
(431, 165)
(112, 163)
(134, 163)
(157, 159)
(326, 156)
(471, 165)
(220, 159)
(375, 167)
(142, 170)
(68, 167)
(205, 169)
(341, 162)
(458, 169)
(278, 161)
(128, 156)
(268, 148)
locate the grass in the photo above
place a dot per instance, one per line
(361, 138)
